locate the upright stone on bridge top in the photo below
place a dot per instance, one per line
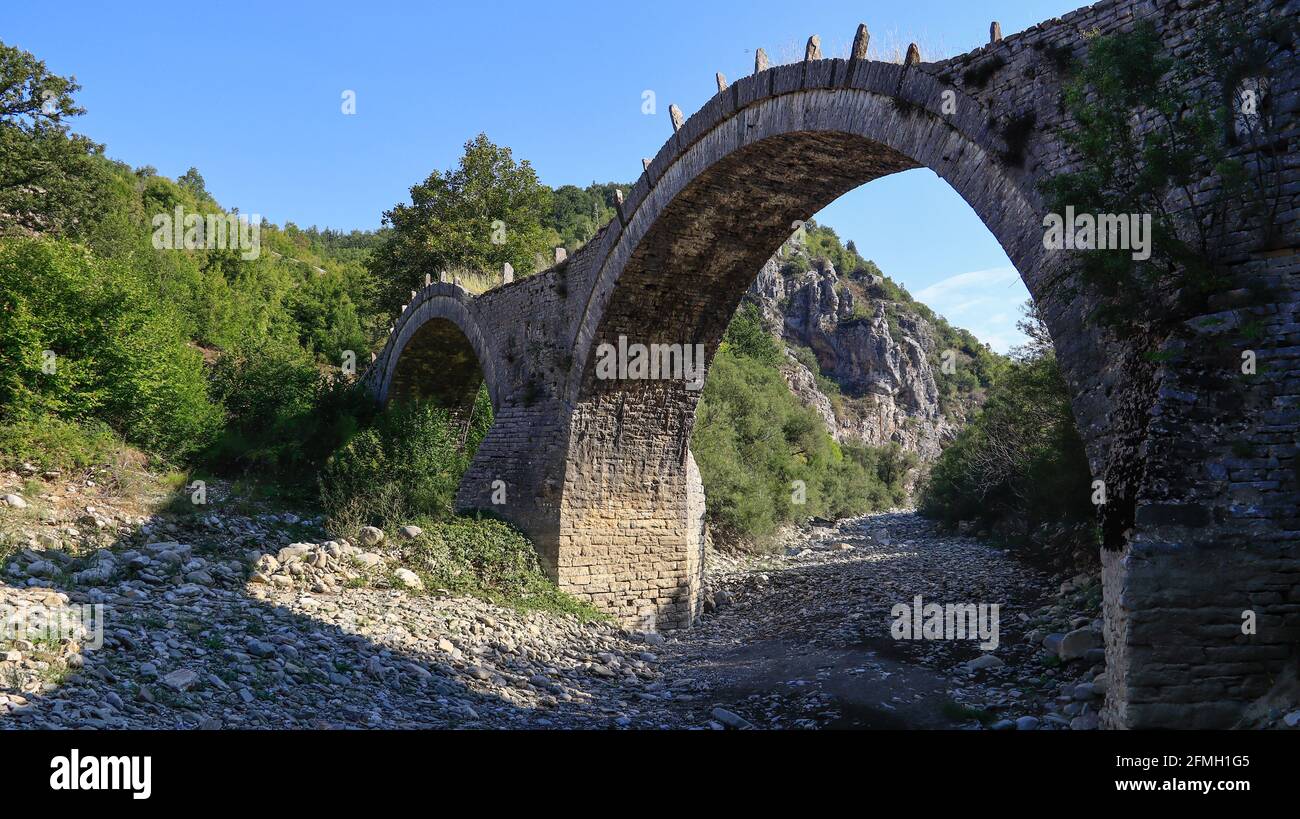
(995, 31)
(561, 254)
(913, 55)
(722, 81)
(442, 276)
(412, 296)
(813, 51)
(860, 41)
(645, 164)
(428, 279)
(676, 114)
(760, 61)
(507, 273)
(618, 196)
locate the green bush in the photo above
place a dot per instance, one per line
(487, 558)
(52, 443)
(407, 464)
(269, 390)
(120, 357)
(1020, 462)
(746, 337)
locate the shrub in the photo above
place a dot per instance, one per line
(120, 357)
(48, 442)
(407, 464)
(746, 337)
(1020, 462)
(487, 558)
(268, 389)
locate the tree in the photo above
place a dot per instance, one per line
(193, 182)
(49, 178)
(488, 212)
(1035, 329)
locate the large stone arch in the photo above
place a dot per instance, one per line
(717, 201)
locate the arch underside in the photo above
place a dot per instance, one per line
(687, 275)
(439, 365)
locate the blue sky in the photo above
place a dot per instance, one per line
(251, 96)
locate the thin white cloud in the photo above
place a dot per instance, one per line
(986, 302)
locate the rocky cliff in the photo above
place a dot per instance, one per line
(865, 356)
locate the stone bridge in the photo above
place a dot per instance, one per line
(1199, 461)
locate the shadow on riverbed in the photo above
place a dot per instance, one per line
(179, 654)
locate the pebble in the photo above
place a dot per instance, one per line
(731, 719)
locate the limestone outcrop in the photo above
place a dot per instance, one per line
(880, 375)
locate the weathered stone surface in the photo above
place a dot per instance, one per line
(675, 114)
(860, 42)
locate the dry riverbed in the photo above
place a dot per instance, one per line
(247, 621)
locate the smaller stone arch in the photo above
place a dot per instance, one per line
(437, 350)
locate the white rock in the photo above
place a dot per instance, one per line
(369, 559)
(15, 501)
(731, 719)
(409, 578)
(181, 679)
(370, 536)
(1076, 644)
(985, 661)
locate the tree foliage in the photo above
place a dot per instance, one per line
(486, 213)
(84, 339)
(1150, 144)
(48, 175)
(1020, 462)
